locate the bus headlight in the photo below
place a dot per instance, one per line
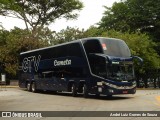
(111, 85)
(120, 87)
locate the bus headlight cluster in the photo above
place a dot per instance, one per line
(120, 87)
(115, 86)
(111, 85)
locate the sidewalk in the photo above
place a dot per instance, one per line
(148, 88)
(8, 86)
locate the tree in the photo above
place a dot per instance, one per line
(13, 42)
(133, 15)
(37, 13)
(67, 35)
(93, 32)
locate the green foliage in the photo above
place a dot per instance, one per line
(66, 35)
(36, 14)
(40, 12)
(3, 35)
(93, 32)
(16, 41)
(115, 17)
(133, 15)
(70, 34)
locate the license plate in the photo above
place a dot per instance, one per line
(125, 92)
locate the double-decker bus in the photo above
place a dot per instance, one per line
(88, 66)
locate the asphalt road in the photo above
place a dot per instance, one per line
(16, 99)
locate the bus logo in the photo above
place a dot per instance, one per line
(28, 61)
(62, 63)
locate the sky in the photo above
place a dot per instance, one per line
(90, 15)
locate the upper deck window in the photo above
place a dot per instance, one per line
(114, 47)
(92, 46)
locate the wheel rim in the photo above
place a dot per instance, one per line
(83, 90)
(72, 89)
(33, 87)
(28, 87)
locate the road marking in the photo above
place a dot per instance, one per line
(158, 100)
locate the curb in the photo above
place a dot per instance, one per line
(148, 88)
(9, 86)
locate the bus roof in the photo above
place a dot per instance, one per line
(74, 41)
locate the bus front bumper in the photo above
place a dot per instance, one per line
(110, 89)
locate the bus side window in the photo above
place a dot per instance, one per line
(93, 46)
(98, 66)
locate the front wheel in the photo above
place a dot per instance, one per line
(33, 87)
(85, 91)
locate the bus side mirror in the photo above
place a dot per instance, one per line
(140, 60)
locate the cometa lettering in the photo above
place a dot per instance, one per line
(61, 63)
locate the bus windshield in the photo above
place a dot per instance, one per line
(115, 47)
(121, 72)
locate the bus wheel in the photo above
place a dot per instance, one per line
(33, 87)
(73, 90)
(28, 87)
(85, 91)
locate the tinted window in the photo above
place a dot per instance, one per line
(92, 46)
(114, 47)
(98, 65)
(72, 49)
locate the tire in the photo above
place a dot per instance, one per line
(85, 91)
(74, 90)
(33, 87)
(28, 87)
